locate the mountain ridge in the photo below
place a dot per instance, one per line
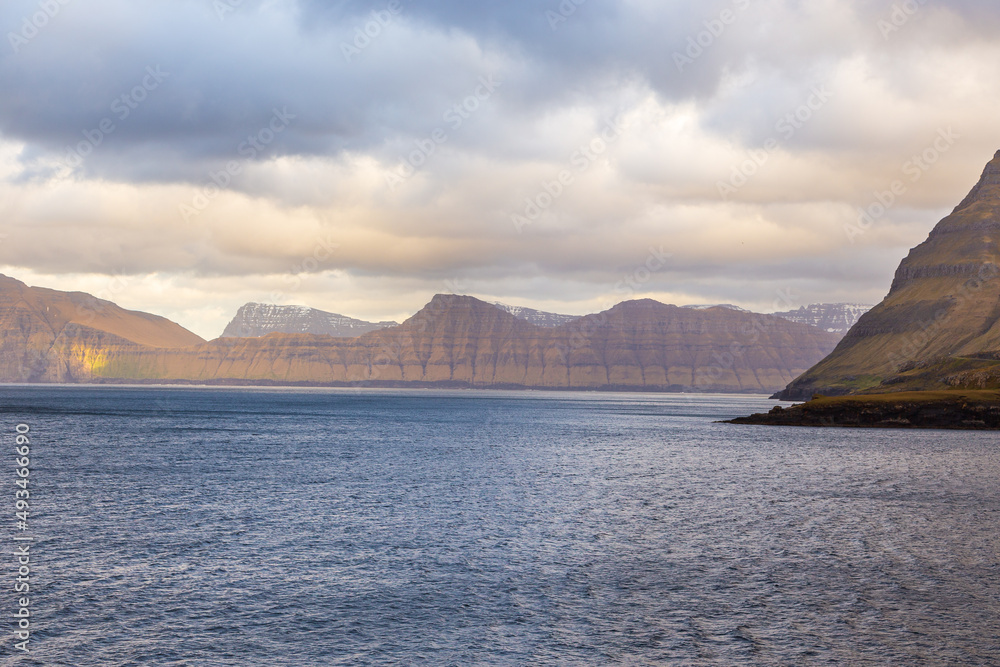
(539, 317)
(254, 319)
(832, 317)
(939, 324)
(454, 340)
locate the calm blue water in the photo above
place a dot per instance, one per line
(265, 527)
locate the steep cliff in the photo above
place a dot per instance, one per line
(32, 319)
(939, 325)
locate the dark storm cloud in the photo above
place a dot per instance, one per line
(221, 82)
(224, 76)
(575, 38)
(228, 72)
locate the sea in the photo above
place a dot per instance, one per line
(249, 526)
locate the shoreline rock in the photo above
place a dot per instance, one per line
(966, 410)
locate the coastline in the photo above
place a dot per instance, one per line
(950, 409)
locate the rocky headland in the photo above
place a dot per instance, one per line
(928, 355)
(969, 410)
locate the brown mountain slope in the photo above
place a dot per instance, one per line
(939, 325)
(462, 341)
(33, 318)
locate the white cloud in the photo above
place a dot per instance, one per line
(313, 208)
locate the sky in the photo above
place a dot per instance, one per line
(184, 157)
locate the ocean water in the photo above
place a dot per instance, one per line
(196, 526)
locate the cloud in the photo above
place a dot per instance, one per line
(373, 155)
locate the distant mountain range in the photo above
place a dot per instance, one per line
(454, 341)
(539, 317)
(253, 320)
(833, 317)
(703, 306)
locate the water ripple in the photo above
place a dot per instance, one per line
(310, 527)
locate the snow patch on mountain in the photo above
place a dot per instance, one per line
(832, 317)
(706, 306)
(253, 320)
(536, 317)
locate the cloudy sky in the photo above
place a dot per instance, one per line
(186, 156)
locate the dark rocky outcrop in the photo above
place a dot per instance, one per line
(976, 410)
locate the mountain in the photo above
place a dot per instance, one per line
(939, 325)
(34, 321)
(454, 341)
(703, 306)
(539, 317)
(832, 317)
(460, 341)
(259, 319)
